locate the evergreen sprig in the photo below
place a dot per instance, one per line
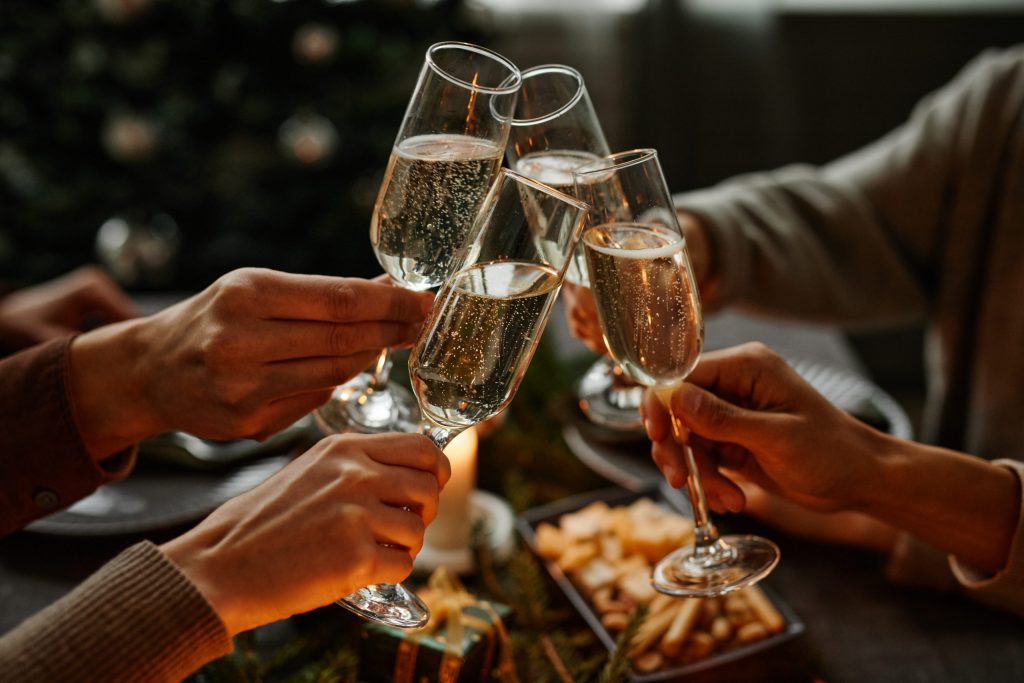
(616, 670)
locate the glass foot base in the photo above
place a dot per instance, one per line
(737, 561)
(358, 406)
(608, 398)
(389, 603)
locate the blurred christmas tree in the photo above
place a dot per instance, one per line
(238, 132)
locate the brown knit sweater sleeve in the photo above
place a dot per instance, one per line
(136, 619)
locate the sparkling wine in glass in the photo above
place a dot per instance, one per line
(650, 316)
(555, 131)
(488, 317)
(446, 155)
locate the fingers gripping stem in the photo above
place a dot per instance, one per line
(705, 531)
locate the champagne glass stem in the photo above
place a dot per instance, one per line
(440, 435)
(709, 548)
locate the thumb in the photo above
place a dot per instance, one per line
(708, 416)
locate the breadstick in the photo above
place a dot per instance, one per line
(648, 662)
(615, 621)
(721, 630)
(751, 632)
(680, 627)
(766, 612)
(700, 647)
(654, 625)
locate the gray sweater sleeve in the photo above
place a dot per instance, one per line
(136, 619)
(859, 241)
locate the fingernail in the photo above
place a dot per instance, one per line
(427, 303)
(688, 398)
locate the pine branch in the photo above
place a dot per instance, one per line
(483, 558)
(337, 666)
(617, 668)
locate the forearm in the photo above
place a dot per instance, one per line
(962, 505)
(137, 619)
(795, 242)
(108, 395)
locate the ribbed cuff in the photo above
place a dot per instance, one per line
(1005, 588)
(137, 619)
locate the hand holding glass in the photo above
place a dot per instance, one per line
(445, 158)
(650, 315)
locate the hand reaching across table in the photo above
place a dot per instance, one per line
(71, 303)
(328, 523)
(752, 418)
(244, 358)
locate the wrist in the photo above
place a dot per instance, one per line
(107, 386)
(194, 554)
(881, 465)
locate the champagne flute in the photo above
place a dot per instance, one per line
(650, 316)
(555, 130)
(488, 317)
(446, 156)
(480, 335)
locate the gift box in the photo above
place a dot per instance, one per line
(465, 641)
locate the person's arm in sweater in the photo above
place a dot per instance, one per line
(752, 418)
(349, 512)
(245, 358)
(857, 240)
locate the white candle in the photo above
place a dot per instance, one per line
(450, 529)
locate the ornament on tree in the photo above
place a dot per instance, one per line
(139, 252)
(121, 11)
(130, 137)
(315, 43)
(308, 138)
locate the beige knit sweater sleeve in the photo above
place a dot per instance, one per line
(136, 619)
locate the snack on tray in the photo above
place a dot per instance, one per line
(609, 552)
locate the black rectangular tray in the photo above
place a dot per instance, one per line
(746, 662)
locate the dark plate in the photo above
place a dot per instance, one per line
(156, 497)
(179, 478)
(741, 663)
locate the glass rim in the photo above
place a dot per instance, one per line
(541, 70)
(514, 80)
(638, 226)
(617, 160)
(546, 189)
